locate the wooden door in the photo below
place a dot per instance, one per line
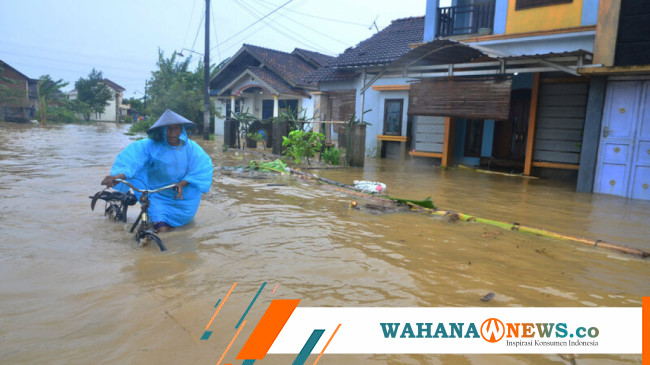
(510, 135)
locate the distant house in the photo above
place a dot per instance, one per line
(17, 100)
(264, 82)
(114, 111)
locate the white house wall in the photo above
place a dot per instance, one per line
(220, 116)
(110, 111)
(374, 101)
(307, 106)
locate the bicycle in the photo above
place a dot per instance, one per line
(117, 204)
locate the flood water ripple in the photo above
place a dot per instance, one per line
(75, 289)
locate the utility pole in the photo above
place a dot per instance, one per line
(206, 75)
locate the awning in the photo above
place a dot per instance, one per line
(447, 58)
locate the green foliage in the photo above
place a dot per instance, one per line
(63, 114)
(257, 137)
(49, 91)
(174, 86)
(426, 203)
(141, 126)
(136, 104)
(94, 92)
(15, 97)
(331, 155)
(293, 118)
(276, 165)
(302, 145)
(245, 119)
(5, 79)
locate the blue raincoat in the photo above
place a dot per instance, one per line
(152, 164)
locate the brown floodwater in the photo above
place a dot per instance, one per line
(75, 289)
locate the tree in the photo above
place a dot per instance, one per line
(48, 90)
(94, 92)
(136, 104)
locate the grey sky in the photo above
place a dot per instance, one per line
(67, 38)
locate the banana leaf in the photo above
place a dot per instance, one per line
(426, 203)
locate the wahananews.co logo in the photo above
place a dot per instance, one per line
(494, 330)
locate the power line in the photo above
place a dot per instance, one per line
(199, 28)
(189, 24)
(255, 22)
(318, 17)
(216, 39)
(304, 42)
(316, 31)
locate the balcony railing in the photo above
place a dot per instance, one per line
(466, 19)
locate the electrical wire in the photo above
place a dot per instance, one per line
(252, 13)
(199, 28)
(314, 30)
(189, 24)
(305, 42)
(214, 28)
(255, 22)
(317, 17)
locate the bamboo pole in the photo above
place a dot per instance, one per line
(469, 218)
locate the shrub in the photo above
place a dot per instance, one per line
(331, 155)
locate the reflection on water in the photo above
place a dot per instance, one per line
(75, 289)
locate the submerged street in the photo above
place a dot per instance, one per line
(75, 288)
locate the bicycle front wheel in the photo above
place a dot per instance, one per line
(154, 238)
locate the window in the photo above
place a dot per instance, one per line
(527, 4)
(393, 116)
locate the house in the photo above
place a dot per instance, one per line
(543, 87)
(520, 85)
(18, 100)
(115, 111)
(497, 84)
(264, 82)
(619, 163)
(344, 86)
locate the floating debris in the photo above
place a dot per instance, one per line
(369, 186)
(487, 297)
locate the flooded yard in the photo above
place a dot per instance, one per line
(75, 289)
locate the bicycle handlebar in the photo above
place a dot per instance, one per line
(145, 191)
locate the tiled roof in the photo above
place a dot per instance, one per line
(315, 57)
(273, 80)
(294, 69)
(113, 85)
(380, 49)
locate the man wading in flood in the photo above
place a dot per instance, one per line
(166, 157)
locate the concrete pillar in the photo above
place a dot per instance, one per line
(276, 107)
(532, 121)
(232, 105)
(591, 134)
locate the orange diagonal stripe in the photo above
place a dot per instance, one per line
(327, 344)
(231, 342)
(645, 315)
(220, 305)
(268, 329)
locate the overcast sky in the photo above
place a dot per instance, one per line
(67, 38)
